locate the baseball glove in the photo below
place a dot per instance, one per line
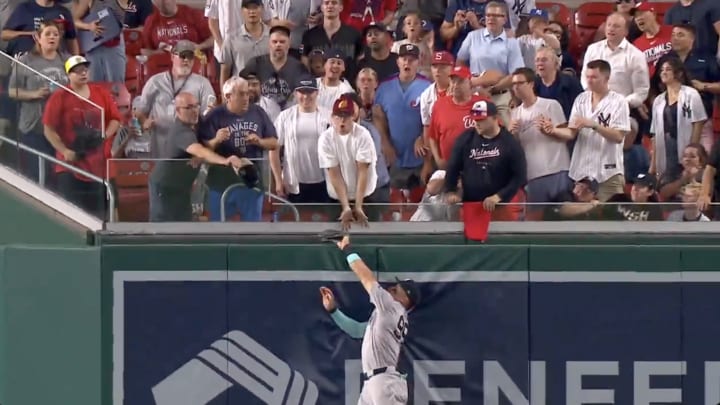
(332, 235)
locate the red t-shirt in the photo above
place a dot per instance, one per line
(188, 24)
(66, 113)
(449, 120)
(360, 13)
(654, 48)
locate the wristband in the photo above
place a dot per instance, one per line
(352, 257)
(347, 249)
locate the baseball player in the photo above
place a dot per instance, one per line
(382, 335)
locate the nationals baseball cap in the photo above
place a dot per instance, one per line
(344, 106)
(462, 72)
(482, 110)
(443, 58)
(75, 61)
(644, 6)
(412, 290)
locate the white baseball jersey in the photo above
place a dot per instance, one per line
(594, 155)
(385, 332)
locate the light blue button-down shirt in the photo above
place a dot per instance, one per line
(486, 52)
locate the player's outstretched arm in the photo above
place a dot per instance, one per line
(353, 328)
(361, 270)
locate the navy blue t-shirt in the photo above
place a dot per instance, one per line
(701, 14)
(254, 120)
(28, 16)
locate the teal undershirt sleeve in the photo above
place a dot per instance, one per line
(348, 325)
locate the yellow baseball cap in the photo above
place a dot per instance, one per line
(75, 61)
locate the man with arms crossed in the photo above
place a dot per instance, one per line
(382, 335)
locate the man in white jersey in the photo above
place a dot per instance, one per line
(382, 335)
(600, 119)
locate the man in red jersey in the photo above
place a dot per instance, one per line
(655, 41)
(451, 115)
(361, 13)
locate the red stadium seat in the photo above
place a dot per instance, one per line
(588, 17)
(558, 12)
(132, 76)
(130, 179)
(133, 43)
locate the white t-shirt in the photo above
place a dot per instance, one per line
(346, 151)
(327, 95)
(427, 100)
(544, 154)
(529, 45)
(308, 170)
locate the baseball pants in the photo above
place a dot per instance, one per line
(384, 389)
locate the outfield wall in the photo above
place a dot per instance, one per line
(243, 324)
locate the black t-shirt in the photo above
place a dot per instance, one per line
(714, 161)
(277, 85)
(632, 211)
(384, 68)
(347, 39)
(176, 174)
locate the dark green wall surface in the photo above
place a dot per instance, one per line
(24, 221)
(56, 304)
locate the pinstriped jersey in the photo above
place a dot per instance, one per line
(594, 155)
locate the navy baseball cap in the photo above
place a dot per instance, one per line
(412, 290)
(646, 180)
(482, 110)
(334, 54)
(307, 85)
(409, 50)
(539, 13)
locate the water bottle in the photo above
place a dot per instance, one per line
(136, 124)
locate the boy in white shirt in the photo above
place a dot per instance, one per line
(331, 85)
(537, 38)
(347, 154)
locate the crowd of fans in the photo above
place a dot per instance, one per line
(355, 104)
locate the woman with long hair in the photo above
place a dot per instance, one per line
(32, 91)
(75, 128)
(567, 61)
(678, 116)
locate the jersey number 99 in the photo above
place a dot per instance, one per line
(401, 329)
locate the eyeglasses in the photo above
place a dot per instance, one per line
(492, 15)
(190, 107)
(552, 31)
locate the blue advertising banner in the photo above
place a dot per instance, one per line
(491, 338)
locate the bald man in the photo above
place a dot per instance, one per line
(630, 77)
(171, 180)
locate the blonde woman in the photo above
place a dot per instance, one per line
(678, 117)
(33, 90)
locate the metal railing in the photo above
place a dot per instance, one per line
(42, 157)
(285, 202)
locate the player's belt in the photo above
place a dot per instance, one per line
(373, 373)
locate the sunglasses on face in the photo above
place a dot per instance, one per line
(187, 55)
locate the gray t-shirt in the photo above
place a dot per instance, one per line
(278, 85)
(241, 47)
(158, 95)
(22, 78)
(176, 173)
(385, 332)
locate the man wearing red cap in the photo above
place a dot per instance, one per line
(655, 41)
(451, 115)
(440, 66)
(489, 161)
(346, 153)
